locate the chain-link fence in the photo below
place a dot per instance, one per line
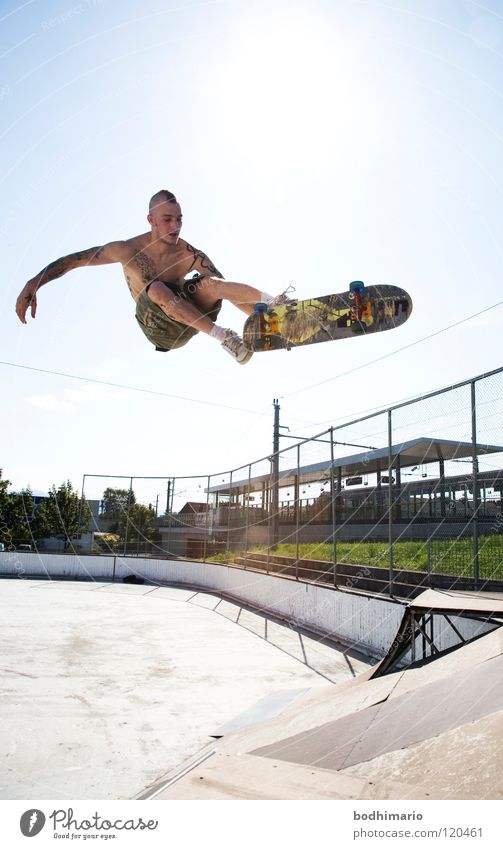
(409, 496)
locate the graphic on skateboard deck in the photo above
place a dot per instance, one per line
(360, 310)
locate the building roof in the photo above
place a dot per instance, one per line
(415, 452)
(194, 507)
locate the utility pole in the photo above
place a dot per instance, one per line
(275, 476)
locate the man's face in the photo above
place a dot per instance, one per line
(166, 222)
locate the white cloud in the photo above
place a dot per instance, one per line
(83, 395)
(86, 393)
(49, 402)
(94, 393)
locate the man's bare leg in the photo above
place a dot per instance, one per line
(179, 309)
(193, 315)
(209, 290)
(183, 311)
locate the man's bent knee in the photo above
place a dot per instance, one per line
(208, 290)
(159, 293)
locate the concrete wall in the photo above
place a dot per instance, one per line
(363, 621)
(24, 565)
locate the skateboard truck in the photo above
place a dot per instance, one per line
(260, 311)
(355, 290)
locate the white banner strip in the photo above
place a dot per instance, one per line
(246, 825)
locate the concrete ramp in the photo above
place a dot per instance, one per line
(397, 723)
(431, 730)
(236, 776)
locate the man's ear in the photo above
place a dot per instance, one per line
(149, 219)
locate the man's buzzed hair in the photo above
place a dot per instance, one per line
(163, 196)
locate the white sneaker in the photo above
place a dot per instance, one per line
(235, 346)
(283, 298)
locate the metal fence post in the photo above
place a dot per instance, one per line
(475, 467)
(127, 515)
(207, 523)
(390, 501)
(269, 511)
(333, 500)
(247, 509)
(229, 515)
(80, 505)
(170, 488)
(275, 476)
(297, 514)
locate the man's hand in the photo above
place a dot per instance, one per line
(27, 299)
(100, 255)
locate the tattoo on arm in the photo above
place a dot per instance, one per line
(203, 261)
(66, 263)
(91, 253)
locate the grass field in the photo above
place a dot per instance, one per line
(449, 557)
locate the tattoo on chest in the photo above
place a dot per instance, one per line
(145, 266)
(204, 261)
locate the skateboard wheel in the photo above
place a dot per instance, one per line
(357, 286)
(260, 307)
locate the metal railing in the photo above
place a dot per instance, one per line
(416, 487)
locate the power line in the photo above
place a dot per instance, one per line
(130, 388)
(391, 353)
(160, 394)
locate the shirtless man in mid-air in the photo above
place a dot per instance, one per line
(169, 308)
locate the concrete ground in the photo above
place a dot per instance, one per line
(106, 688)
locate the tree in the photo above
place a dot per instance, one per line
(137, 524)
(63, 514)
(16, 510)
(115, 503)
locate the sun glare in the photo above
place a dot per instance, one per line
(284, 85)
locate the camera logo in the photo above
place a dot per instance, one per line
(32, 822)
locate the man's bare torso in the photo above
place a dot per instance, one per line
(149, 261)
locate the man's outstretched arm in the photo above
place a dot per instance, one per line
(102, 255)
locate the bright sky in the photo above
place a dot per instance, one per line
(313, 141)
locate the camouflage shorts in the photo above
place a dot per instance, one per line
(164, 332)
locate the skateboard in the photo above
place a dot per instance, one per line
(356, 312)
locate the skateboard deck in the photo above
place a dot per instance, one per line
(358, 311)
